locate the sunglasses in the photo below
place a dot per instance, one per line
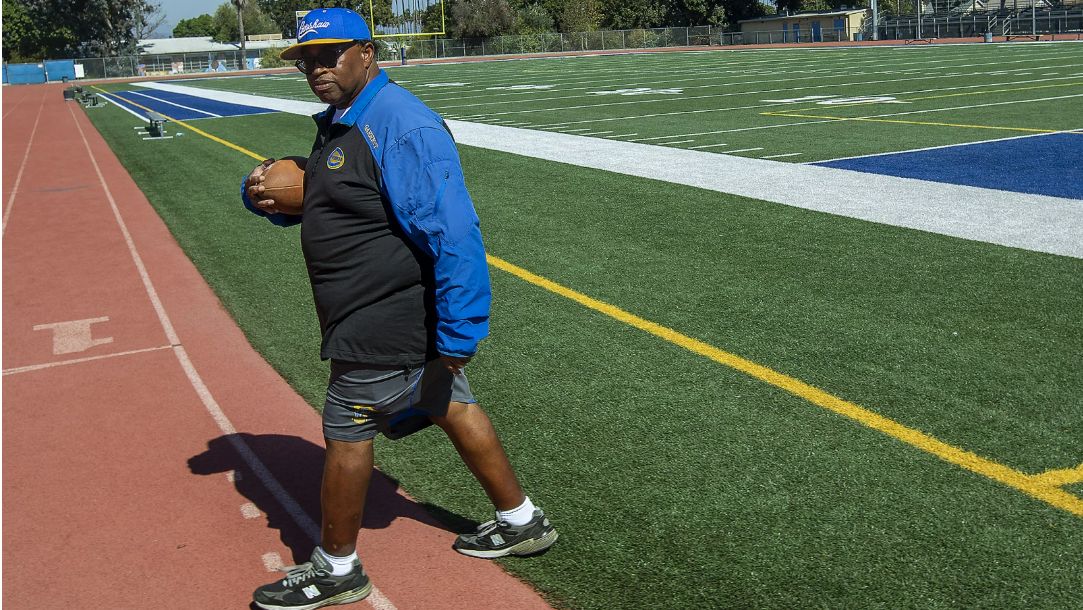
(327, 57)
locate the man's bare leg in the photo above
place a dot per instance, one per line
(476, 440)
(347, 470)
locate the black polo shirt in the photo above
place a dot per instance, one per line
(374, 290)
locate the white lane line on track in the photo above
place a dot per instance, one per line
(377, 599)
(49, 365)
(13, 107)
(22, 166)
(250, 511)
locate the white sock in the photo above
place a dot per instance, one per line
(520, 515)
(340, 566)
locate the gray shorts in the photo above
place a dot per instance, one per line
(363, 399)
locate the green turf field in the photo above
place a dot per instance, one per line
(677, 481)
(746, 101)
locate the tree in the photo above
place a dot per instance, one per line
(147, 19)
(531, 18)
(632, 14)
(26, 40)
(202, 25)
(227, 26)
(283, 13)
(434, 18)
(480, 18)
(56, 29)
(240, 5)
(581, 16)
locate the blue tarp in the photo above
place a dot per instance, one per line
(60, 69)
(25, 74)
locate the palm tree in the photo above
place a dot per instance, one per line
(240, 5)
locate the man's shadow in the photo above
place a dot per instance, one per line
(297, 465)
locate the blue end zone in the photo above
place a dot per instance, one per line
(180, 106)
(1042, 165)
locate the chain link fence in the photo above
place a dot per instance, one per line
(556, 43)
(389, 51)
(1022, 23)
(903, 28)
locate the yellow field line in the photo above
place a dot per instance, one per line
(194, 129)
(1044, 486)
(934, 97)
(1064, 476)
(903, 122)
(1042, 489)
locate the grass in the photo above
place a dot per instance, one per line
(678, 482)
(725, 96)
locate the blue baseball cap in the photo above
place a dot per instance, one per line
(328, 26)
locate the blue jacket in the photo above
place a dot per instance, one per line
(419, 175)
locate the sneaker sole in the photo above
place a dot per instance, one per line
(526, 547)
(346, 597)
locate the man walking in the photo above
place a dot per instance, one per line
(394, 253)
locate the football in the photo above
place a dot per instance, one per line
(284, 182)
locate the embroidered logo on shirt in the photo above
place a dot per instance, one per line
(371, 137)
(335, 159)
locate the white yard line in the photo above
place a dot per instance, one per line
(780, 156)
(109, 98)
(244, 99)
(1021, 220)
(730, 152)
(164, 101)
(703, 73)
(786, 90)
(707, 146)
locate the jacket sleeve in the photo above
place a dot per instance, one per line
(282, 220)
(424, 182)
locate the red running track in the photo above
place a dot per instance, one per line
(151, 457)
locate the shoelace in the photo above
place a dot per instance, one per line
(489, 527)
(300, 573)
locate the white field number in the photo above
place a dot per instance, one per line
(519, 87)
(640, 91)
(830, 100)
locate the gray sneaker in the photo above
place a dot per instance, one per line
(311, 585)
(498, 538)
